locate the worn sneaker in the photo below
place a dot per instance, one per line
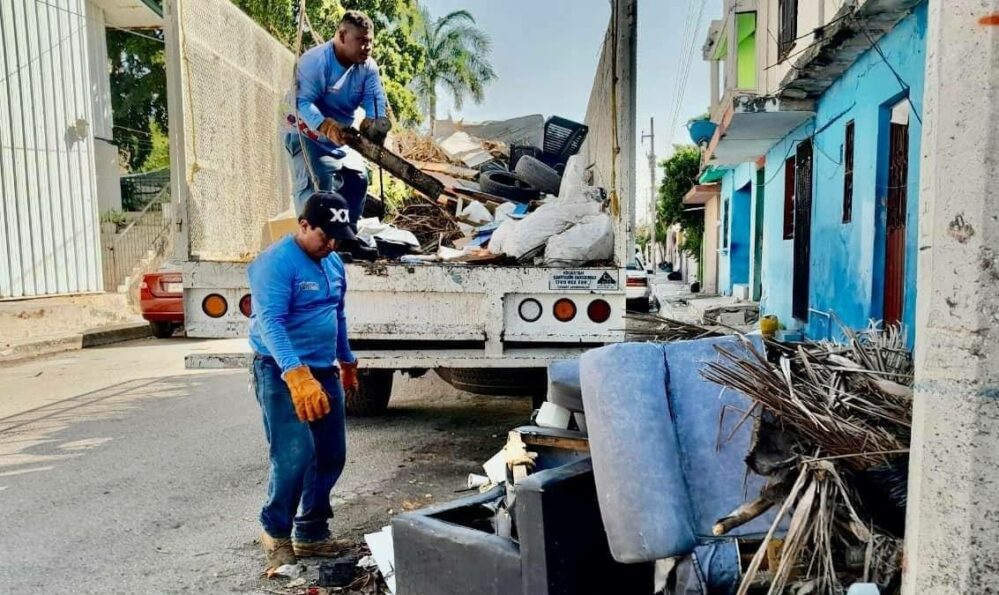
(327, 548)
(278, 551)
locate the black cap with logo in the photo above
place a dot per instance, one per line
(329, 212)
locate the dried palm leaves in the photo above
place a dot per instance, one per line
(851, 401)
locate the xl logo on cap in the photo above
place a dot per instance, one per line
(340, 216)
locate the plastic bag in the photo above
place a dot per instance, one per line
(549, 220)
(592, 239)
(501, 234)
(476, 213)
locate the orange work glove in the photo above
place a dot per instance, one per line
(332, 130)
(348, 376)
(308, 396)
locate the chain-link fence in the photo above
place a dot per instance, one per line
(145, 237)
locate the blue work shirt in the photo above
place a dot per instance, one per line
(298, 307)
(328, 89)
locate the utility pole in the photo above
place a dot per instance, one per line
(653, 212)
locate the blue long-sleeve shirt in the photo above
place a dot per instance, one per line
(298, 307)
(328, 89)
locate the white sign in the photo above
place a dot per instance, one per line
(584, 279)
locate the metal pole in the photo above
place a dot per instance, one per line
(653, 211)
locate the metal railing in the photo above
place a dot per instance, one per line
(138, 190)
(145, 237)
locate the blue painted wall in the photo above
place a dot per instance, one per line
(734, 260)
(847, 258)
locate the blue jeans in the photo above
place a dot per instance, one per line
(306, 459)
(325, 162)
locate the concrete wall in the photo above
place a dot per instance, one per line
(846, 259)
(105, 153)
(811, 14)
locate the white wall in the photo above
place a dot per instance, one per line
(811, 15)
(105, 153)
(48, 220)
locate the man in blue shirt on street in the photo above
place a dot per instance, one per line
(331, 81)
(298, 333)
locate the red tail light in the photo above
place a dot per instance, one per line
(598, 311)
(246, 306)
(638, 282)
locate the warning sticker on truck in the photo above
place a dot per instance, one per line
(583, 279)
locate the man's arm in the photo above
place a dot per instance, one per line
(310, 82)
(374, 103)
(271, 288)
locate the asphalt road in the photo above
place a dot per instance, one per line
(120, 472)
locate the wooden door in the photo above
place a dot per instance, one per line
(802, 230)
(895, 223)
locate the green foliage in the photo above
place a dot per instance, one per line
(138, 93)
(643, 236)
(159, 156)
(118, 218)
(457, 59)
(680, 173)
(397, 48)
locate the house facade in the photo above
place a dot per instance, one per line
(58, 167)
(818, 152)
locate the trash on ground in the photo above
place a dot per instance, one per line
(340, 572)
(286, 571)
(381, 550)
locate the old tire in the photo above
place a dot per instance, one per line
(372, 398)
(539, 175)
(507, 185)
(163, 330)
(512, 382)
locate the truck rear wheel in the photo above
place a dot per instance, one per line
(496, 381)
(372, 398)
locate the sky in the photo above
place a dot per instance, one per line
(545, 53)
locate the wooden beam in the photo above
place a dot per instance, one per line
(394, 164)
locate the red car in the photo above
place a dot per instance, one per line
(161, 299)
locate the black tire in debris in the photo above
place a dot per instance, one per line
(372, 398)
(539, 175)
(507, 185)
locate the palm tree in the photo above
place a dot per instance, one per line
(457, 59)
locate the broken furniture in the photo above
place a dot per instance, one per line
(561, 547)
(562, 139)
(667, 447)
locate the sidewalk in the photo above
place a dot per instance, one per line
(35, 327)
(678, 303)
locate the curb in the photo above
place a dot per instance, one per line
(109, 335)
(91, 338)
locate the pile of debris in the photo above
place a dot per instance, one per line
(833, 425)
(502, 202)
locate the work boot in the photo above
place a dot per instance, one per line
(327, 548)
(278, 551)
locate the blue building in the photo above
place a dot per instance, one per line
(819, 195)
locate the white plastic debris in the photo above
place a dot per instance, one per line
(367, 562)
(370, 228)
(503, 211)
(550, 219)
(477, 481)
(298, 582)
(447, 254)
(384, 554)
(498, 240)
(476, 213)
(864, 589)
(495, 468)
(288, 571)
(553, 416)
(573, 178)
(590, 240)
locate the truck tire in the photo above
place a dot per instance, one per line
(372, 397)
(507, 185)
(539, 175)
(163, 330)
(512, 382)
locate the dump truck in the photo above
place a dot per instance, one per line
(485, 329)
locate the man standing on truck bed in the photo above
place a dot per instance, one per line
(331, 81)
(298, 333)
